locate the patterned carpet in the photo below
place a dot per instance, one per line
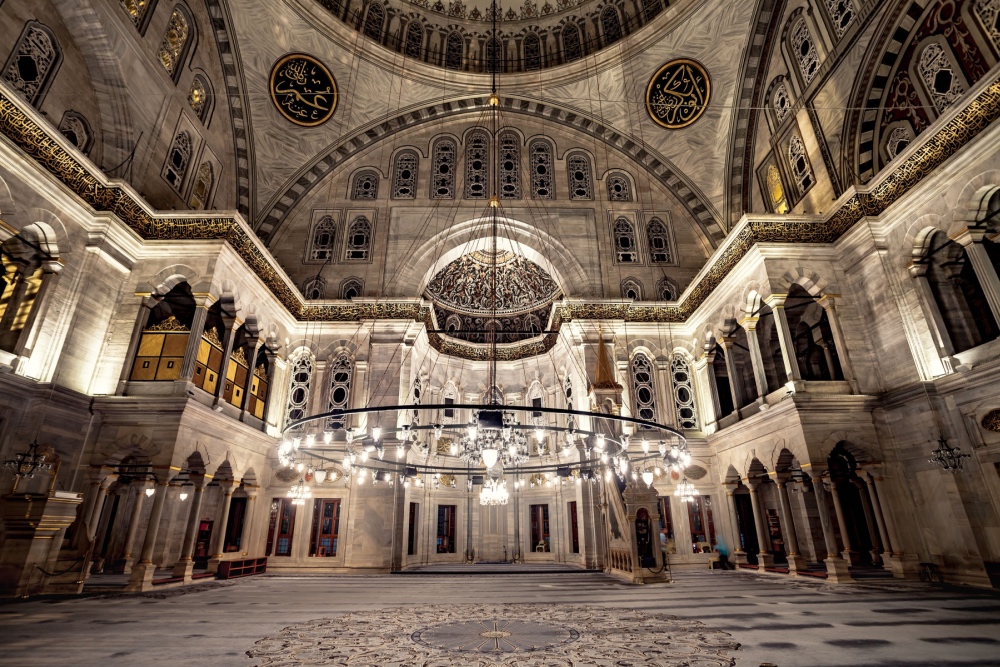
(498, 635)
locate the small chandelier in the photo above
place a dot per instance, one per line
(494, 492)
(26, 464)
(686, 491)
(299, 493)
(948, 457)
(677, 456)
(493, 438)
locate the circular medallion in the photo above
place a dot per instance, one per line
(495, 635)
(678, 94)
(303, 90)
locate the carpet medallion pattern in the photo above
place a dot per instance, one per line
(498, 635)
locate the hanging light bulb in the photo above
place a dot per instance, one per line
(184, 496)
(350, 435)
(604, 457)
(539, 435)
(600, 442)
(635, 477)
(490, 457)
(438, 431)
(377, 433)
(645, 446)
(296, 443)
(400, 450)
(473, 431)
(150, 491)
(320, 476)
(623, 465)
(663, 448)
(310, 440)
(364, 455)
(647, 477)
(607, 476)
(453, 449)
(300, 467)
(361, 475)
(347, 463)
(327, 437)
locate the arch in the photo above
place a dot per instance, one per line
(139, 12)
(404, 174)
(802, 47)
(201, 98)
(682, 382)
(779, 99)
(572, 46)
(509, 165)
(414, 43)
(454, 51)
(33, 62)
(178, 160)
(364, 185)
(840, 14)
(322, 240)
(667, 289)
(611, 25)
(809, 280)
(477, 160)
(314, 289)
(177, 41)
(619, 186)
(532, 50)
(444, 159)
(300, 370)
(661, 247)
(631, 289)
(359, 240)
(352, 288)
(580, 175)
(374, 20)
(643, 387)
(541, 168)
(76, 128)
(341, 376)
(801, 169)
(625, 243)
(204, 187)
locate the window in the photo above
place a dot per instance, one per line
(580, 186)
(175, 41)
(651, 7)
(352, 288)
(75, 127)
(624, 240)
(612, 25)
(340, 390)
(800, 164)
(365, 186)
(540, 538)
(899, 138)
(411, 533)
(446, 529)
(314, 288)
(404, 176)
(325, 527)
(532, 52)
(939, 77)
(492, 56)
(33, 62)
(540, 154)
(477, 166)
(202, 190)
(702, 524)
(359, 239)
(453, 51)
(414, 39)
(536, 402)
(642, 388)
(687, 413)
(374, 20)
(841, 15)
(199, 97)
(572, 49)
(780, 102)
(988, 13)
(449, 412)
(667, 289)
(443, 170)
(137, 10)
(281, 527)
(660, 251)
(631, 289)
(804, 51)
(299, 381)
(453, 324)
(510, 166)
(323, 237)
(177, 160)
(779, 204)
(574, 527)
(568, 391)
(619, 188)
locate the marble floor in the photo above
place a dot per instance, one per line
(564, 618)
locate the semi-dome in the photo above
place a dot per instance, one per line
(466, 284)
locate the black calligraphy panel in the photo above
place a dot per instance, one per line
(303, 90)
(678, 94)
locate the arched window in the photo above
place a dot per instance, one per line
(75, 127)
(780, 102)
(804, 51)
(776, 191)
(619, 188)
(352, 288)
(532, 52)
(624, 239)
(799, 162)
(580, 184)
(631, 289)
(359, 239)
(651, 8)
(300, 370)
(323, 237)
(33, 62)
(612, 25)
(340, 389)
(667, 289)
(492, 56)
(164, 338)
(687, 413)
(414, 39)
(988, 13)
(897, 141)
(540, 154)
(201, 193)
(453, 51)
(939, 77)
(177, 160)
(642, 388)
(404, 176)
(314, 288)
(572, 49)
(477, 175)
(443, 170)
(453, 324)
(200, 97)
(365, 186)
(138, 11)
(374, 21)
(510, 166)
(173, 48)
(841, 15)
(660, 250)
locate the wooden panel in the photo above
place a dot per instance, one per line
(175, 344)
(204, 349)
(169, 368)
(144, 368)
(151, 345)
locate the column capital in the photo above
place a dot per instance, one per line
(829, 301)
(917, 269)
(752, 483)
(228, 486)
(108, 480)
(776, 300)
(749, 323)
(970, 235)
(780, 478)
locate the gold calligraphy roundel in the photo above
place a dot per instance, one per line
(678, 94)
(303, 90)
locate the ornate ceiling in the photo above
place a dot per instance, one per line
(466, 284)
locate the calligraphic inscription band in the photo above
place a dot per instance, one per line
(678, 94)
(303, 90)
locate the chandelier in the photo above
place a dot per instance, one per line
(300, 493)
(26, 464)
(686, 491)
(950, 458)
(492, 438)
(494, 492)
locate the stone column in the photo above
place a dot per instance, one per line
(866, 506)
(20, 285)
(829, 304)
(777, 304)
(704, 370)
(849, 553)
(102, 496)
(836, 567)
(972, 240)
(141, 578)
(194, 341)
(252, 364)
(229, 336)
(248, 519)
(727, 343)
(140, 324)
(935, 322)
(739, 555)
(219, 539)
(133, 523)
(795, 560)
(749, 325)
(51, 268)
(185, 565)
(877, 511)
(665, 392)
(765, 558)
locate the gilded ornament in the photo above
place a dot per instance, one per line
(678, 94)
(239, 357)
(169, 324)
(303, 90)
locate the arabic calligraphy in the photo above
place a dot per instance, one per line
(303, 90)
(678, 94)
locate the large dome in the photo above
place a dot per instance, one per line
(465, 285)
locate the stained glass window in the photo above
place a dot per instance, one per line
(175, 40)
(443, 174)
(477, 175)
(540, 154)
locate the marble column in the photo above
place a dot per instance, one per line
(194, 341)
(739, 555)
(248, 517)
(141, 578)
(972, 240)
(795, 560)
(777, 304)
(102, 496)
(749, 325)
(185, 565)
(765, 558)
(836, 567)
(935, 321)
(829, 304)
(877, 511)
(229, 336)
(849, 554)
(866, 507)
(133, 523)
(140, 323)
(42, 301)
(709, 390)
(728, 345)
(219, 538)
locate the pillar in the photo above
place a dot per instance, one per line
(102, 496)
(795, 560)
(140, 324)
(248, 519)
(194, 341)
(133, 523)
(665, 392)
(749, 325)
(219, 539)
(704, 370)
(765, 558)
(252, 364)
(829, 304)
(877, 511)
(51, 268)
(935, 322)
(972, 240)
(185, 565)
(229, 335)
(836, 567)
(777, 304)
(141, 578)
(866, 506)
(849, 554)
(739, 555)
(735, 385)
